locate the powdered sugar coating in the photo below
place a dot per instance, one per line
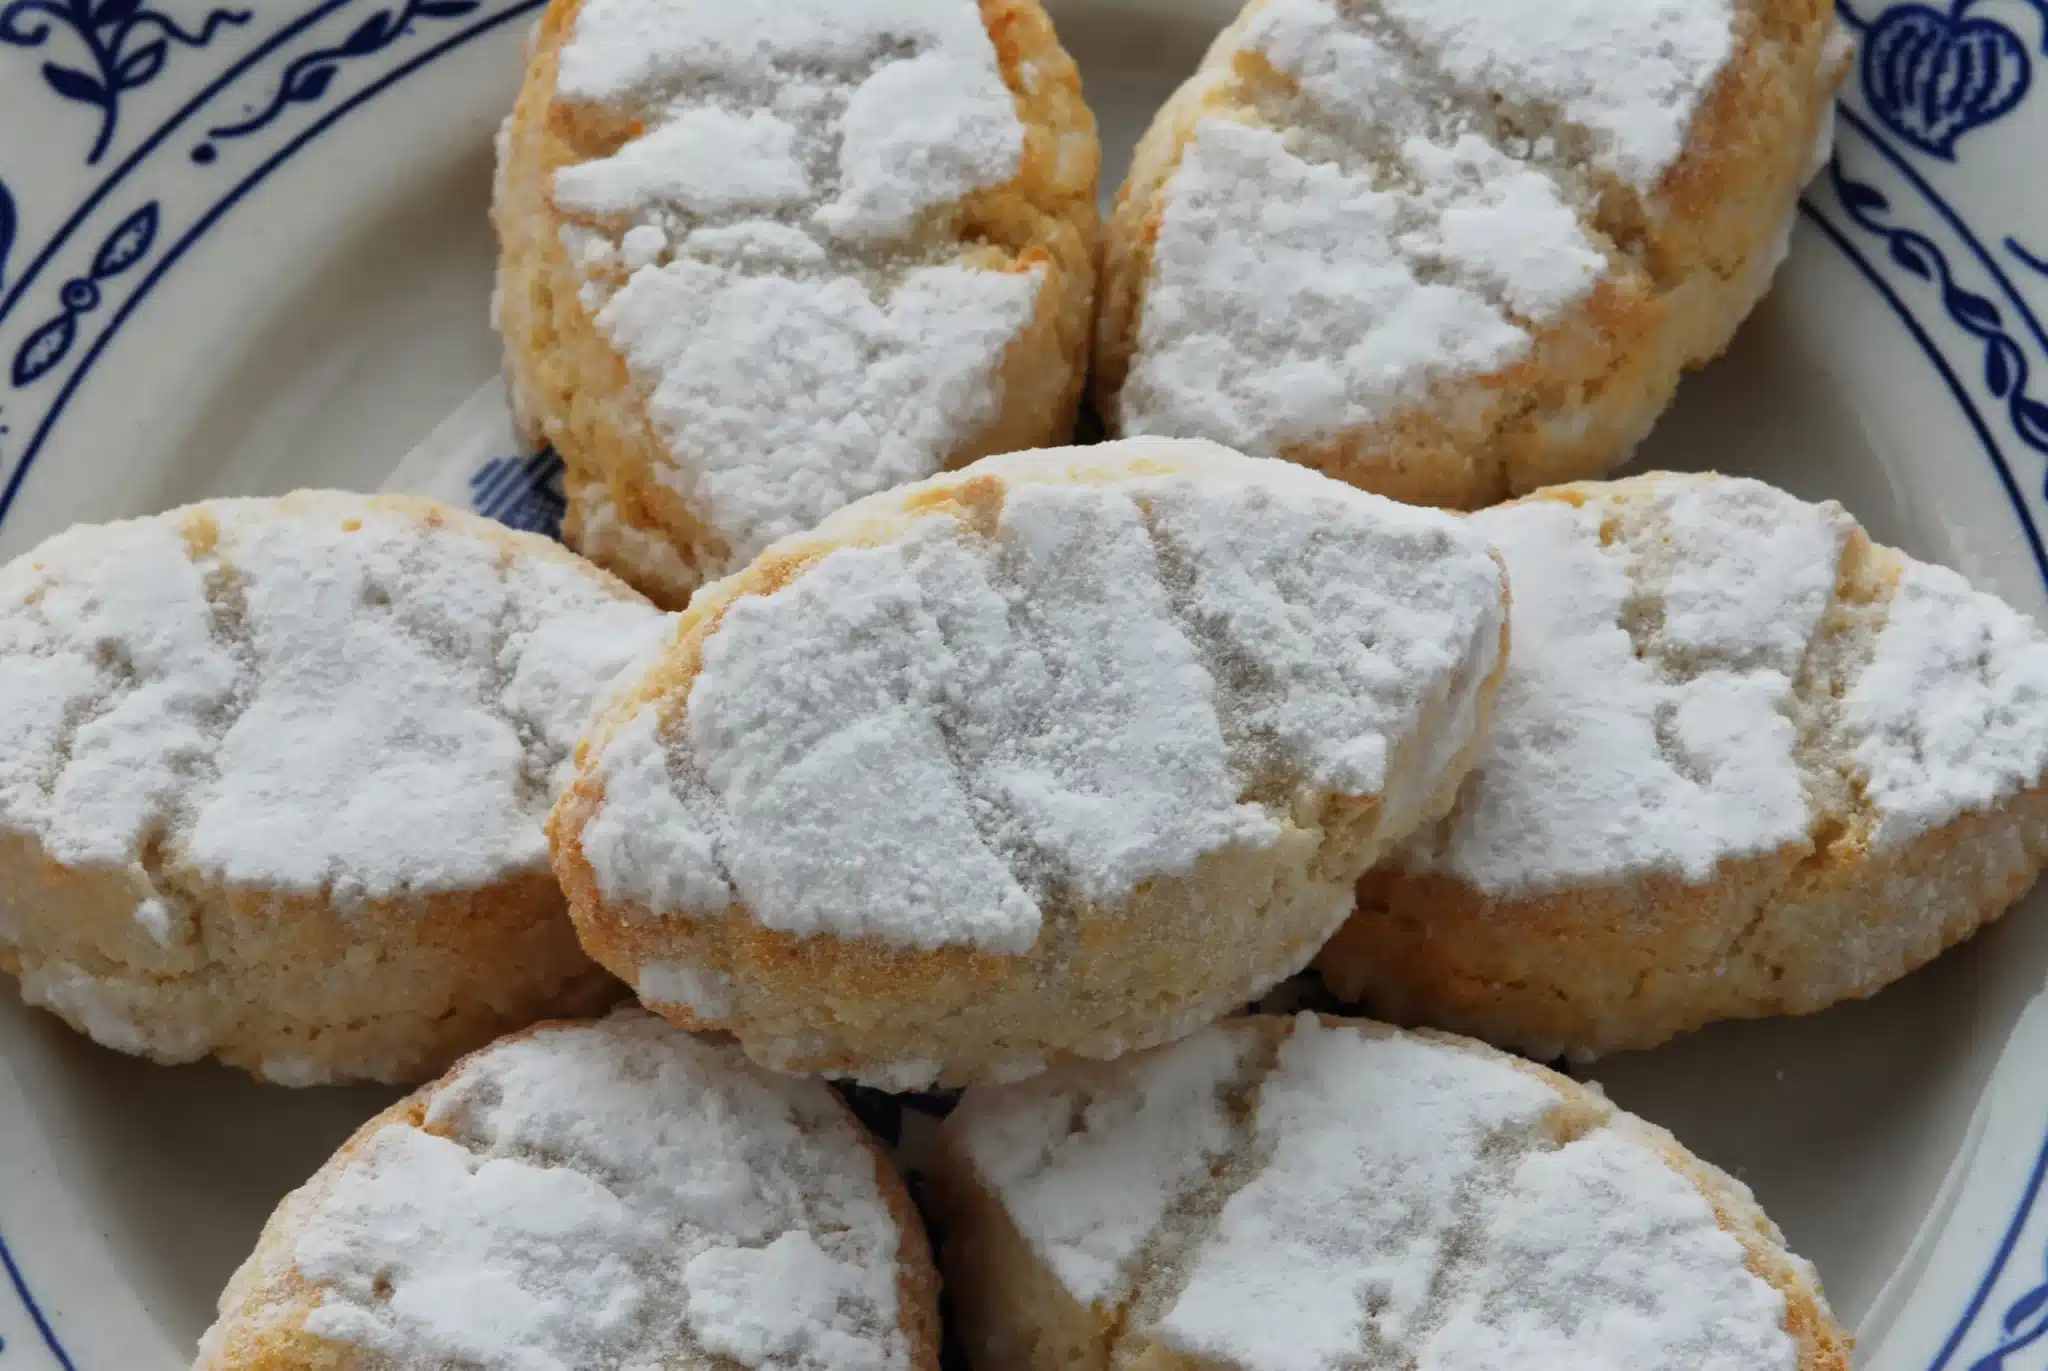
(322, 695)
(763, 253)
(1746, 570)
(1404, 217)
(1394, 1200)
(115, 1012)
(1630, 72)
(930, 741)
(615, 1194)
(1280, 308)
(1951, 715)
(793, 396)
(704, 161)
(1089, 1161)
(1653, 717)
(1600, 1244)
(606, 536)
(698, 991)
(1337, 1241)
(655, 825)
(1644, 719)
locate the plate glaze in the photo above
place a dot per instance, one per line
(244, 250)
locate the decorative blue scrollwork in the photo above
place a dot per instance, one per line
(12, 1278)
(124, 247)
(1932, 76)
(8, 222)
(2026, 258)
(106, 28)
(2025, 1323)
(2006, 368)
(307, 77)
(523, 492)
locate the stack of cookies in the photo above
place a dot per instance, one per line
(1026, 773)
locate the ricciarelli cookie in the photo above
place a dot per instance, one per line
(1304, 1194)
(273, 774)
(1064, 754)
(763, 257)
(1746, 762)
(593, 1197)
(1454, 250)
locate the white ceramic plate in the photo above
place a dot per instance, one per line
(244, 250)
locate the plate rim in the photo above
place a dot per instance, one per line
(1917, 242)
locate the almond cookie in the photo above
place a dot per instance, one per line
(1302, 1194)
(612, 1196)
(1746, 762)
(273, 775)
(1067, 753)
(1453, 250)
(760, 258)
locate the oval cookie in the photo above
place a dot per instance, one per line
(273, 774)
(760, 258)
(1302, 1194)
(1067, 753)
(1746, 762)
(1454, 250)
(593, 1196)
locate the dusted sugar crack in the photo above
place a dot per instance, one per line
(1745, 762)
(1064, 754)
(1454, 250)
(761, 258)
(1307, 1194)
(273, 775)
(610, 1196)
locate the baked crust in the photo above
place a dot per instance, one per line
(1588, 972)
(571, 387)
(1602, 966)
(1686, 264)
(290, 988)
(296, 987)
(1101, 980)
(1014, 1313)
(263, 1310)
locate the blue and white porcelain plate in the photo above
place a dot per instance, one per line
(243, 249)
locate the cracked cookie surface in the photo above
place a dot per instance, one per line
(614, 1194)
(273, 776)
(1303, 1194)
(1745, 762)
(1452, 252)
(986, 770)
(761, 258)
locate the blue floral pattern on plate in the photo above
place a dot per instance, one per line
(126, 43)
(1934, 75)
(523, 492)
(307, 77)
(64, 298)
(1981, 1343)
(1929, 77)
(80, 296)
